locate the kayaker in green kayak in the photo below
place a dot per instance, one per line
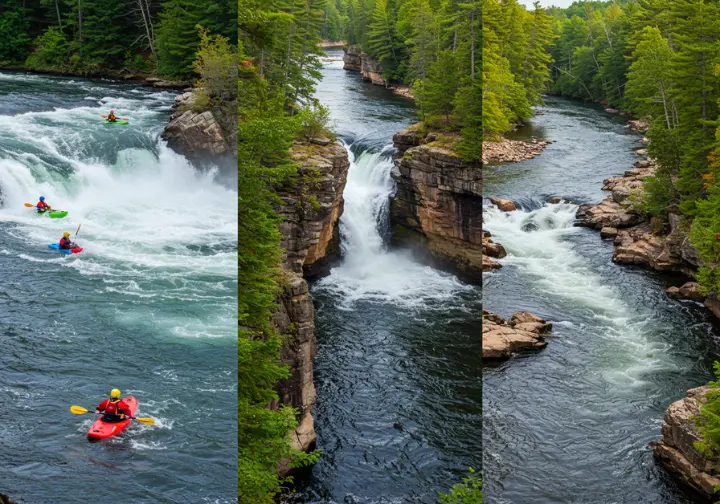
(42, 207)
(67, 243)
(115, 410)
(111, 116)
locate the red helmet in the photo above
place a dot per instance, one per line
(112, 111)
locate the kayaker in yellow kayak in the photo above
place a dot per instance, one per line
(42, 206)
(115, 410)
(66, 242)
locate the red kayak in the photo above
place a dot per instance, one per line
(103, 430)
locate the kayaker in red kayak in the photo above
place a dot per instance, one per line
(66, 242)
(115, 410)
(42, 206)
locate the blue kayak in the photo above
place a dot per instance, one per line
(56, 246)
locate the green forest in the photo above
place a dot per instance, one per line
(99, 37)
(279, 66)
(433, 46)
(658, 59)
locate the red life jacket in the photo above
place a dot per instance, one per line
(65, 243)
(41, 205)
(114, 407)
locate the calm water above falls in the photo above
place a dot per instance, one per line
(149, 307)
(571, 424)
(398, 365)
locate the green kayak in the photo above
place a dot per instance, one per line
(54, 214)
(117, 122)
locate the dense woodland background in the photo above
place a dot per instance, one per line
(98, 36)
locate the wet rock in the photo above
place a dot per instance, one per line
(503, 150)
(493, 249)
(608, 232)
(4, 499)
(676, 450)
(355, 59)
(502, 338)
(504, 204)
(689, 290)
(638, 125)
(555, 200)
(438, 204)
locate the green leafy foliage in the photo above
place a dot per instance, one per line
(314, 121)
(14, 31)
(467, 492)
(51, 49)
(708, 421)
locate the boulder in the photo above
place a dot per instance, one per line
(504, 150)
(688, 290)
(676, 450)
(555, 200)
(608, 232)
(504, 204)
(502, 338)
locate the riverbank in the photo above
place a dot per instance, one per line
(355, 59)
(505, 150)
(112, 75)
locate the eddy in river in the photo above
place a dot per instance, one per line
(66, 242)
(42, 206)
(115, 410)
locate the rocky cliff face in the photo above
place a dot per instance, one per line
(438, 203)
(311, 205)
(355, 59)
(676, 449)
(199, 135)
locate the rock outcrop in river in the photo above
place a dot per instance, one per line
(438, 202)
(501, 338)
(637, 240)
(511, 151)
(4, 499)
(200, 134)
(676, 449)
(311, 206)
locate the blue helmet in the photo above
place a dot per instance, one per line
(42, 198)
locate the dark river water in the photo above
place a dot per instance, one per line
(571, 424)
(149, 307)
(398, 367)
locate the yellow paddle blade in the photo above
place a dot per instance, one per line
(78, 410)
(29, 205)
(145, 420)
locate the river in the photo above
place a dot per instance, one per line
(149, 307)
(398, 366)
(572, 422)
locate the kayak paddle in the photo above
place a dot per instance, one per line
(121, 118)
(78, 230)
(30, 205)
(79, 410)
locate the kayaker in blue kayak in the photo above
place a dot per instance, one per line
(42, 206)
(66, 243)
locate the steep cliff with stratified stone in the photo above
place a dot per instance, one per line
(311, 206)
(438, 202)
(201, 135)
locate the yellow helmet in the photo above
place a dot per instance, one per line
(115, 393)
(66, 234)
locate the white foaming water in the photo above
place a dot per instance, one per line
(152, 225)
(369, 271)
(537, 244)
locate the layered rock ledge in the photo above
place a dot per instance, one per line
(511, 151)
(199, 135)
(311, 206)
(490, 251)
(356, 60)
(676, 448)
(637, 240)
(502, 338)
(438, 202)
